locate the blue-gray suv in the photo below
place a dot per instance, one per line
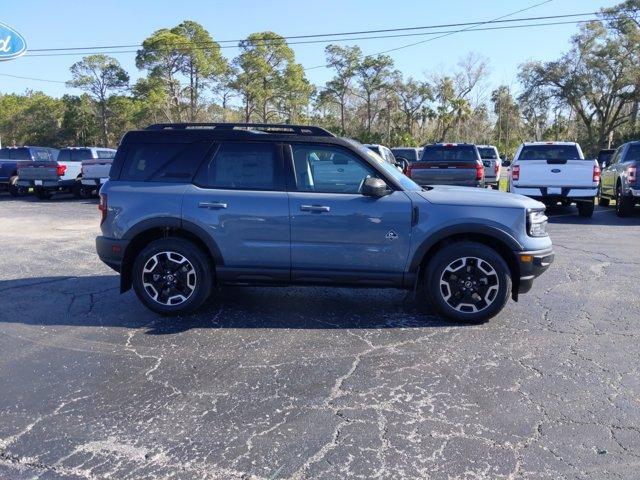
(190, 206)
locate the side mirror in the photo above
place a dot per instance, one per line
(506, 163)
(374, 187)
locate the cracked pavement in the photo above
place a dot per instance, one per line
(323, 383)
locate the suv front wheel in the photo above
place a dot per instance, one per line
(468, 282)
(172, 276)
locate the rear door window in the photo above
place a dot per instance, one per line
(242, 166)
(163, 162)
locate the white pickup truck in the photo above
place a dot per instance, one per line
(95, 171)
(555, 172)
(61, 175)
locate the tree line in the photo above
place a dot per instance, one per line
(590, 94)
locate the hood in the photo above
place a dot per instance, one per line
(477, 197)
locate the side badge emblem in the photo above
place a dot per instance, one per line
(391, 235)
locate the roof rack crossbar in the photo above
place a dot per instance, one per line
(265, 127)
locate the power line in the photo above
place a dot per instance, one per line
(377, 37)
(440, 33)
(32, 78)
(361, 32)
(497, 19)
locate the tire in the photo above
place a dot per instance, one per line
(476, 258)
(150, 279)
(585, 209)
(85, 192)
(603, 201)
(16, 190)
(42, 193)
(624, 203)
(77, 190)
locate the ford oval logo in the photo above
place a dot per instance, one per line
(556, 170)
(12, 44)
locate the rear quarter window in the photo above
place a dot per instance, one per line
(163, 162)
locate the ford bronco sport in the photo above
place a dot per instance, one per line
(190, 206)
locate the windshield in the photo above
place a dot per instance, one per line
(444, 153)
(487, 153)
(549, 152)
(389, 169)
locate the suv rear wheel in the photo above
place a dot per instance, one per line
(172, 276)
(468, 282)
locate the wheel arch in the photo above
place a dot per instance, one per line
(492, 237)
(149, 230)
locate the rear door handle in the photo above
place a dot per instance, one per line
(314, 208)
(212, 205)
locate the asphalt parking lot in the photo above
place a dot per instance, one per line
(314, 382)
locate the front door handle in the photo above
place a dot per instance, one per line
(314, 208)
(212, 205)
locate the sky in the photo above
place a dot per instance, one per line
(49, 24)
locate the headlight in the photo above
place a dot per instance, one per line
(536, 223)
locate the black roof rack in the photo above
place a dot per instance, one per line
(261, 127)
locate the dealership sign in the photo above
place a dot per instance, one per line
(12, 44)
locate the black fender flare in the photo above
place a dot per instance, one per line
(163, 223)
(471, 227)
(177, 223)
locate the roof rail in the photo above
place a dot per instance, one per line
(262, 127)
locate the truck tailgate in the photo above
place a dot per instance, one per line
(38, 170)
(98, 168)
(444, 173)
(555, 173)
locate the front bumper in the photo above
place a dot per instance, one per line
(111, 251)
(635, 192)
(532, 264)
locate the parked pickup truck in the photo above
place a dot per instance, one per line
(96, 170)
(448, 164)
(492, 163)
(61, 175)
(620, 179)
(9, 159)
(555, 172)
